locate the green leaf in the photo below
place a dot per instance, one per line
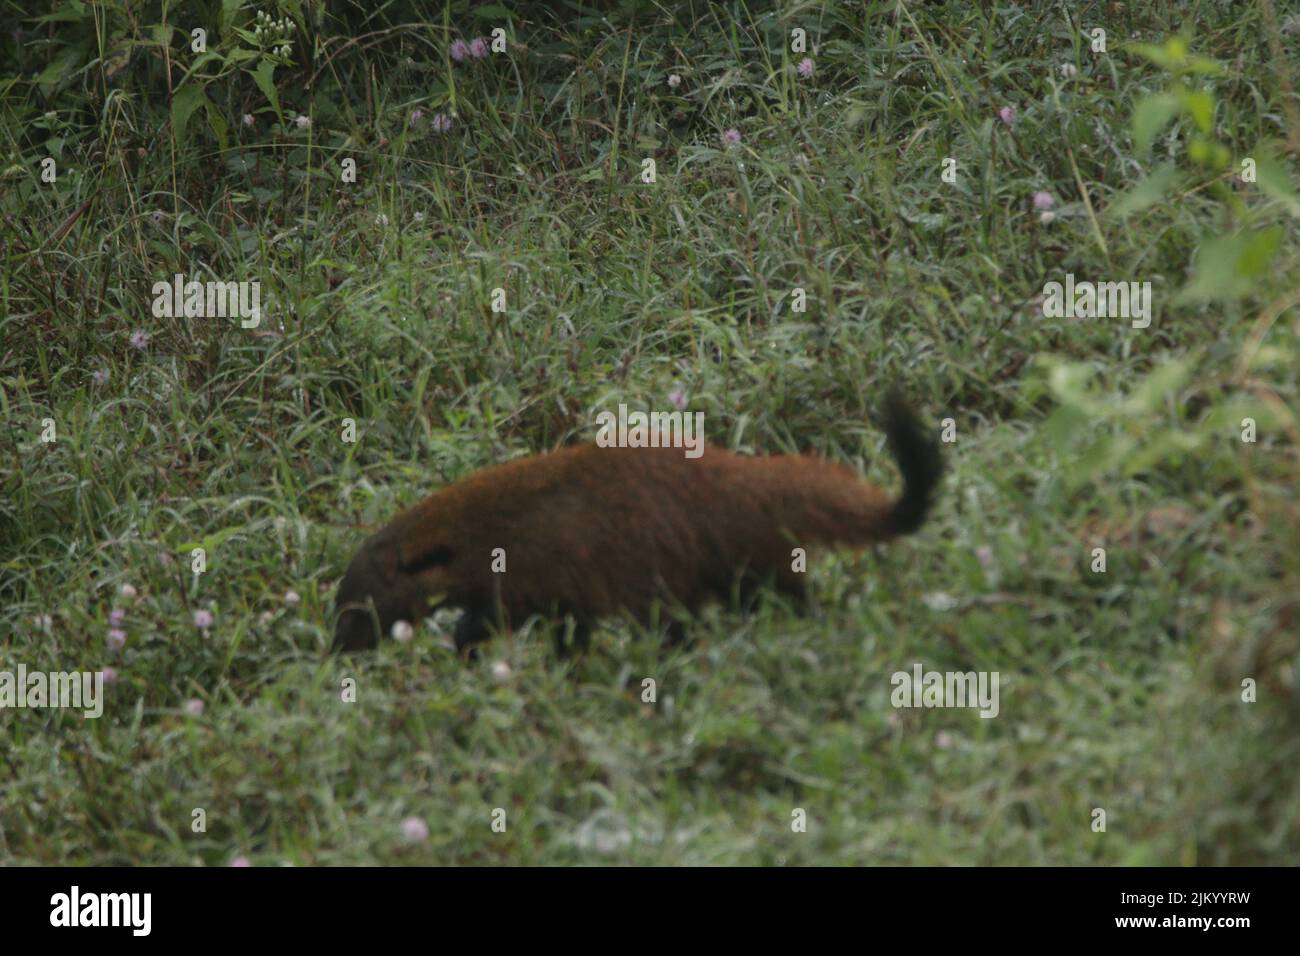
(492, 11)
(1156, 54)
(1150, 116)
(228, 10)
(1272, 179)
(1159, 446)
(184, 102)
(263, 76)
(1258, 254)
(216, 122)
(1201, 107)
(1146, 193)
(1230, 267)
(1156, 387)
(211, 542)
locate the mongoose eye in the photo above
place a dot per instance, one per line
(427, 559)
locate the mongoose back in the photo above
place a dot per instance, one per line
(588, 531)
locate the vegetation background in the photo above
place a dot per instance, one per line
(522, 170)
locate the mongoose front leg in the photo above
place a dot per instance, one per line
(472, 629)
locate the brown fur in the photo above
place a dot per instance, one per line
(590, 531)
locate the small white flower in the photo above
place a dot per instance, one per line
(1069, 71)
(939, 601)
(418, 217)
(674, 81)
(291, 598)
(382, 220)
(302, 122)
(248, 119)
(500, 671)
(1047, 217)
(414, 830)
(402, 631)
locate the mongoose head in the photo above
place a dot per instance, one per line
(384, 584)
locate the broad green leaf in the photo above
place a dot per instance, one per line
(1259, 252)
(228, 10)
(1156, 387)
(263, 76)
(1231, 266)
(184, 102)
(216, 122)
(1159, 446)
(1150, 116)
(1146, 193)
(1201, 107)
(1273, 181)
(1156, 54)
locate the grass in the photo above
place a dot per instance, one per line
(1120, 691)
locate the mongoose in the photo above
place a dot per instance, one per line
(589, 531)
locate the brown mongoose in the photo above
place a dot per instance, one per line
(589, 531)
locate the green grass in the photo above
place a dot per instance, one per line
(1120, 691)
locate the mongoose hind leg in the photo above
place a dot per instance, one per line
(578, 643)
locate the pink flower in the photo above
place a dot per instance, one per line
(1043, 200)
(203, 619)
(116, 639)
(1008, 115)
(139, 339)
(416, 116)
(677, 397)
(240, 861)
(459, 50)
(943, 740)
(984, 554)
(109, 675)
(99, 376)
(441, 122)
(731, 137)
(194, 707)
(805, 68)
(414, 830)
(478, 48)
(116, 616)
